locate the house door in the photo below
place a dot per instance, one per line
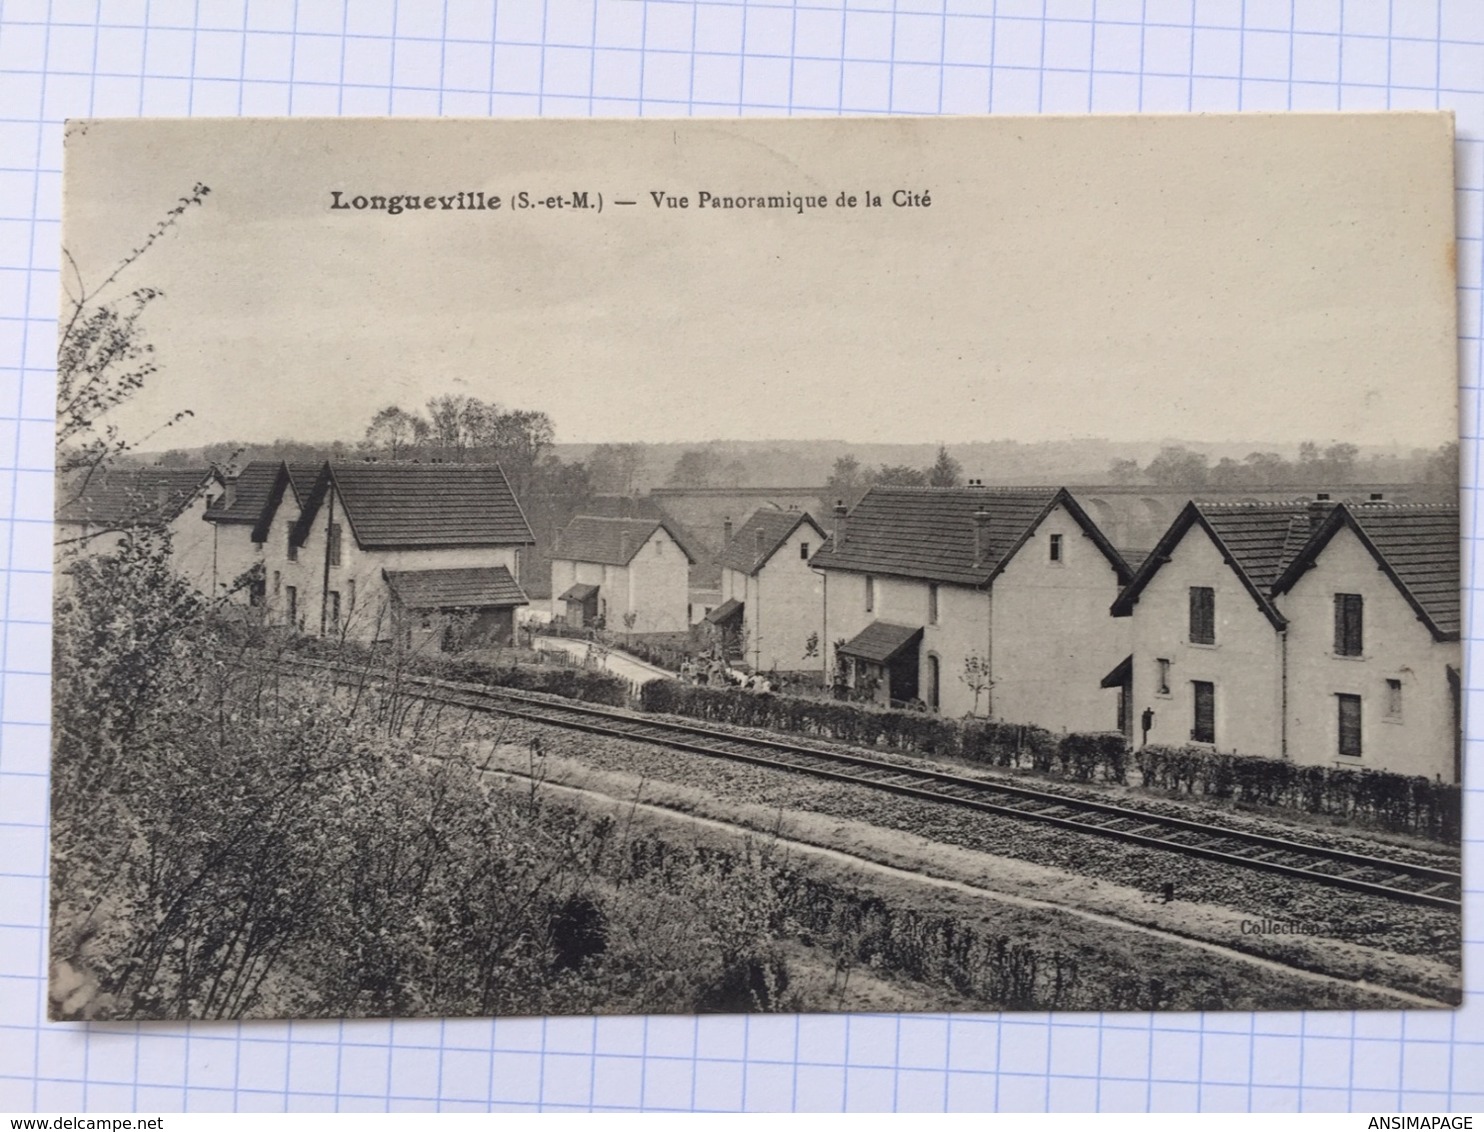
(901, 676)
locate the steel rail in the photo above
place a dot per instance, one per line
(1437, 887)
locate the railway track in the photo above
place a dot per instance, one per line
(1357, 872)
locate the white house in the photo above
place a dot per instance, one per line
(1314, 631)
(630, 575)
(236, 512)
(94, 509)
(990, 601)
(424, 555)
(771, 598)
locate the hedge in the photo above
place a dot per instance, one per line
(1397, 802)
(582, 684)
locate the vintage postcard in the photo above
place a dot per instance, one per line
(576, 567)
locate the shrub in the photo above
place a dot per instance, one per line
(1403, 803)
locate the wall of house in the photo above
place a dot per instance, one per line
(191, 544)
(233, 554)
(961, 631)
(1395, 646)
(783, 606)
(365, 601)
(659, 587)
(1054, 637)
(612, 583)
(1245, 663)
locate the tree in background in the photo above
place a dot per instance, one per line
(847, 483)
(900, 475)
(697, 467)
(394, 430)
(616, 468)
(1176, 466)
(946, 471)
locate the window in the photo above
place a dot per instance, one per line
(350, 596)
(1202, 615)
(293, 550)
(334, 544)
(1349, 725)
(870, 594)
(334, 599)
(277, 582)
(1349, 633)
(933, 604)
(1056, 548)
(659, 546)
(804, 551)
(1394, 700)
(1204, 730)
(1163, 686)
(517, 564)
(291, 599)
(934, 678)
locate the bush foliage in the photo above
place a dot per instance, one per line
(1396, 802)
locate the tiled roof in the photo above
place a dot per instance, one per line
(725, 611)
(590, 538)
(253, 488)
(580, 592)
(1270, 545)
(423, 505)
(1259, 540)
(645, 507)
(1415, 544)
(1262, 537)
(928, 533)
(880, 641)
(472, 587)
(129, 497)
(765, 531)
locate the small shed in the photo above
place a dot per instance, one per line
(454, 609)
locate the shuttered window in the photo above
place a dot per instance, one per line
(1349, 725)
(334, 544)
(1349, 630)
(870, 594)
(1204, 730)
(293, 551)
(1202, 615)
(932, 604)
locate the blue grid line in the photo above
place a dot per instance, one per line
(162, 1058)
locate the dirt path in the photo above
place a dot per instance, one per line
(907, 862)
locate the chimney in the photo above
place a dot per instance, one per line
(1319, 508)
(976, 483)
(726, 531)
(839, 534)
(981, 536)
(1378, 497)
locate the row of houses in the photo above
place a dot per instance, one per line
(1322, 631)
(420, 554)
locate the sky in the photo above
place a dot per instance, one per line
(1216, 278)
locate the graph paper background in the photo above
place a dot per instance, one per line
(61, 58)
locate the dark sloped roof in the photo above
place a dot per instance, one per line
(1120, 673)
(765, 531)
(470, 587)
(880, 641)
(252, 490)
(925, 532)
(422, 505)
(129, 497)
(592, 538)
(1416, 545)
(1257, 540)
(580, 592)
(645, 507)
(725, 611)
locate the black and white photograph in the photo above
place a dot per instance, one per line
(526, 568)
